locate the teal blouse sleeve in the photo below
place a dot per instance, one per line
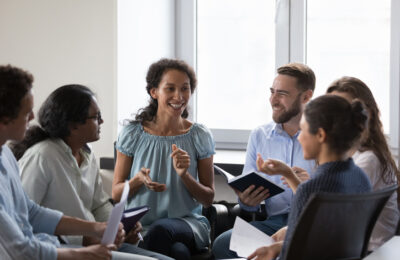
(128, 138)
(203, 142)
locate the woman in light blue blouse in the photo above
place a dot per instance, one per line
(168, 161)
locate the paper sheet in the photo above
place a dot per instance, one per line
(246, 239)
(115, 218)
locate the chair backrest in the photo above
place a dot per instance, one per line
(337, 226)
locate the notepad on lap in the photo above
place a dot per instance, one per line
(243, 181)
(132, 216)
(246, 239)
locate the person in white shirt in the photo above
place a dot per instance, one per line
(27, 229)
(58, 168)
(373, 156)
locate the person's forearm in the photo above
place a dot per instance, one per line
(293, 181)
(67, 254)
(134, 185)
(202, 193)
(75, 226)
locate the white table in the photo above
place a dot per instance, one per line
(389, 250)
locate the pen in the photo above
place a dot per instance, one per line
(140, 236)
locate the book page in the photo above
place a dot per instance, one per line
(246, 238)
(115, 218)
(227, 175)
(134, 213)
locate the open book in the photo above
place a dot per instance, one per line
(132, 216)
(243, 181)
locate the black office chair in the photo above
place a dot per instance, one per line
(337, 226)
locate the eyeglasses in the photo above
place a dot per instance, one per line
(97, 117)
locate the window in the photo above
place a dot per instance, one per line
(235, 47)
(235, 62)
(356, 44)
(335, 38)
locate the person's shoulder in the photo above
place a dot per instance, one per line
(265, 128)
(6, 153)
(203, 140)
(201, 134)
(366, 157)
(200, 128)
(131, 126)
(130, 130)
(46, 148)
(8, 158)
(263, 132)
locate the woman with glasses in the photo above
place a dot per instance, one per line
(58, 168)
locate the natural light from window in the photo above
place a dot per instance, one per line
(351, 38)
(235, 62)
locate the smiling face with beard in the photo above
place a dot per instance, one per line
(285, 99)
(285, 116)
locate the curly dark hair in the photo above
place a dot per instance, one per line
(66, 105)
(343, 122)
(375, 139)
(15, 83)
(153, 79)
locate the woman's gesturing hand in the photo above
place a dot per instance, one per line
(181, 160)
(144, 174)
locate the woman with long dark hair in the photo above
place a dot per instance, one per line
(168, 161)
(330, 127)
(58, 168)
(373, 156)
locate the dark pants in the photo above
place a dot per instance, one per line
(172, 237)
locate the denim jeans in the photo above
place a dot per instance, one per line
(172, 237)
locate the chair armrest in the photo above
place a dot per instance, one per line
(218, 216)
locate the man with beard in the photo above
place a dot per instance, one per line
(292, 88)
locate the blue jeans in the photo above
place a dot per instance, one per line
(172, 237)
(132, 249)
(269, 226)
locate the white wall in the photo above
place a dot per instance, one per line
(146, 33)
(61, 42)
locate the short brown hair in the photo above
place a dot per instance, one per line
(304, 75)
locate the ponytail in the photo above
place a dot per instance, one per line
(359, 115)
(343, 122)
(34, 135)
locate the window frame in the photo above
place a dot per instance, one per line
(290, 35)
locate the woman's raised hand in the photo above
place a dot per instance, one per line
(181, 160)
(144, 174)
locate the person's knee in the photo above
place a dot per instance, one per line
(271, 225)
(159, 229)
(221, 244)
(180, 251)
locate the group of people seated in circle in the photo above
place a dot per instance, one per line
(53, 205)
